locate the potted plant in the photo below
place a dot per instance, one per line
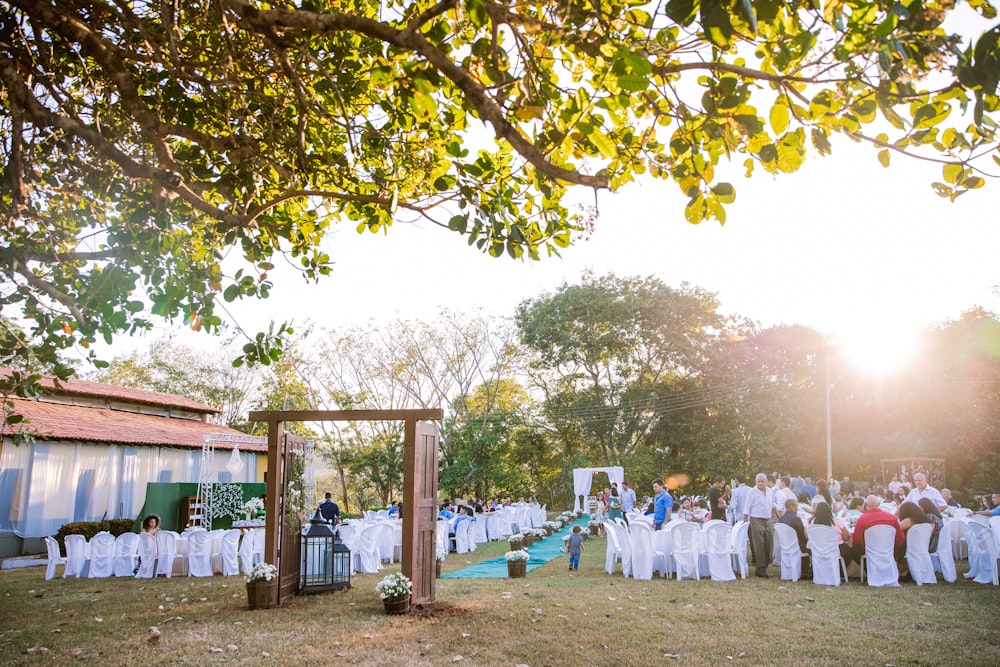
(253, 507)
(395, 590)
(262, 586)
(594, 527)
(517, 563)
(516, 541)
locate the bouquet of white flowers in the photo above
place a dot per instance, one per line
(261, 572)
(516, 537)
(395, 585)
(253, 506)
(537, 532)
(520, 554)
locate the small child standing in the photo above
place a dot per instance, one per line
(575, 547)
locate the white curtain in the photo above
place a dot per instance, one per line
(14, 464)
(583, 477)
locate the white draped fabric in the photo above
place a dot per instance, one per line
(583, 478)
(45, 485)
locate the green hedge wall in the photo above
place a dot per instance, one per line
(90, 528)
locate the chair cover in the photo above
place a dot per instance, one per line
(471, 533)
(76, 556)
(55, 558)
(166, 551)
(226, 561)
(462, 537)
(147, 556)
(995, 526)
(791, 555)
(493, 527)
(739, 546)
(687, 549)
(199, 560)
(878, 558)
(246, 551)
(386, 542)
(481, 536)
(102, 556)
(959, 544)
(982, 553)
(367, 554)
(641, 541)
(441, 535)
(618, 546)
(944, 556)
(718, 536)
(918, 538)
(259, 538)
(126, 554)
(827, 564)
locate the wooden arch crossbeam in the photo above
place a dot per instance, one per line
(420, 468)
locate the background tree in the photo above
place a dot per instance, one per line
(143, 143)
(604, 348)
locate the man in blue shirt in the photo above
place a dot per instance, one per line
(446, 512)
(662, 504)
(329, 510)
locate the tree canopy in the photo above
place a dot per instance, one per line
(145, 144)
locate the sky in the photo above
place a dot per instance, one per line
(844, 245)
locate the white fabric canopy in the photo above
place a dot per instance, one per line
(583, 477)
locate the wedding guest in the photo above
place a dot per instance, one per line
(628, 498)
(824, 517)
(874, 515)
(996, 507)
(662, 504)
(933, 516)
(717, 498)
(946, 494)
(791, 519)
(151, 524)
(923, 490)
(758, 512)
(575, 547)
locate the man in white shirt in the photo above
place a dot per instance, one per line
(628, 498)
(739, 499)
(759, 511)
(922, 490)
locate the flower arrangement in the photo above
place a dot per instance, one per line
(393, 586)
(516, 537)
(520, 554)
(261, 572)
(593, 523)
(224, 499)
(537, 532)
(554, 525)
(253, 506)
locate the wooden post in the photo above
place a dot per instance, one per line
(274, 477)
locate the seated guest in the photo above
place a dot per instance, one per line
(446, 512)
(946, 494)
(854, 508)
(687, 511)
(910, 514)
(876, 516)
(393, 510)
(922, 489)
(151, 524)
(995, 511)
(934, 517)
(824, 517)
(791, 519)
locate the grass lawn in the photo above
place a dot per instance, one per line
(553, 617)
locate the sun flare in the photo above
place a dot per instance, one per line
(879, 349)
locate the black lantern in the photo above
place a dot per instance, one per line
(326, 562)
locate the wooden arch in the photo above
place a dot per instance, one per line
(420, 468)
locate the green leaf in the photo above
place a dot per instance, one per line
(952, 172)
(779, 118)
(941, 190)
(477, 12)
(682, 11)
(725, 192)
(883, 157)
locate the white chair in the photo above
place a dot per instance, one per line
(918, 557)
(481, 536)
(493, 531)
(740, 544)
(55, 558)
(126, 554)
(199, 556)
(246, 551)
(102, 556)
(959, 545)
(718, 536)
(471, 533)
(995, 526)
(386, 542)
(645, 559)
(147, 556)
(982, 553)
(827, 563)
(441, 535)
(878, 557)
(462, 537)
(944, 557)
(166, 552)
(367, 555)
(686, 550)
(618, 548)
(226, 562)
(791, 554)
(259, 539)
(76, 556)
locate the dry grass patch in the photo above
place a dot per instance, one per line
(554, 617)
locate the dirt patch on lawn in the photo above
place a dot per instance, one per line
(438, 611)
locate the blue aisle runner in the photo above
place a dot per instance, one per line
(539, 554)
